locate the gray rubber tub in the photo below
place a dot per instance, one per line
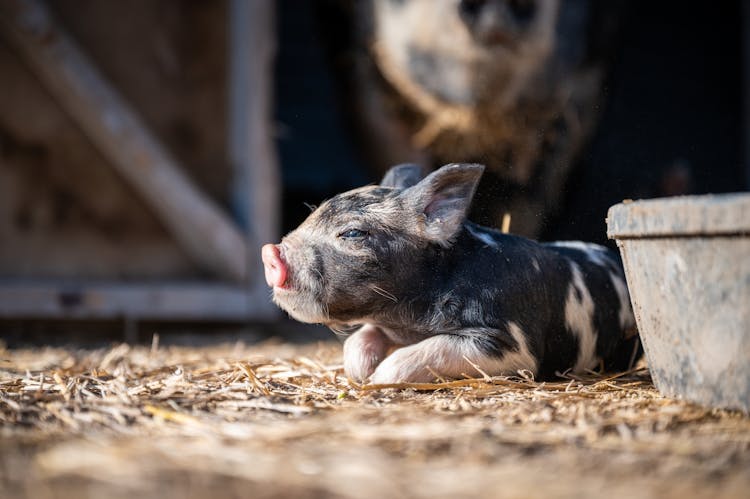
(687, 263)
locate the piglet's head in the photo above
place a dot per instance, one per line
(362, 251)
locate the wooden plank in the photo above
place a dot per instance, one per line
(252, 153)
(196, 222)
(138, 301)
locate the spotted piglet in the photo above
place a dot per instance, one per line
(434, 295)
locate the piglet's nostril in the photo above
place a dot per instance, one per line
(274, 266)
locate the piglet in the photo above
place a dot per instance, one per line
(433, 295)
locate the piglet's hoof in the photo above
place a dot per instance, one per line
(363, 351)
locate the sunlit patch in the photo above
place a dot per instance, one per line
(482, 234)
(595, 253)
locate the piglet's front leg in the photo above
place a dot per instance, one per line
(364, 350)
(451, 356)
(421, 362)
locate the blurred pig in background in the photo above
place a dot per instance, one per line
(513, 84)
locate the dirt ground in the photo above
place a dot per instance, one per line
(278, 420)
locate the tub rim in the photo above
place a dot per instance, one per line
(681, 216)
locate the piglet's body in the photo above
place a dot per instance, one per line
(452, 298)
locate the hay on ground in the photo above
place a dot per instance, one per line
(277, 420)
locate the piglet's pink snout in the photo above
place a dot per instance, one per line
(275, 268)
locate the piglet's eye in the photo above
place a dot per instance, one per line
(353, 234)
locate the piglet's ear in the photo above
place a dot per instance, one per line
(443, 199)
(402, 176)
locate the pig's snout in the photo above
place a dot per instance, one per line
(275, 268)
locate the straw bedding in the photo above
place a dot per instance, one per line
(276, 420)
